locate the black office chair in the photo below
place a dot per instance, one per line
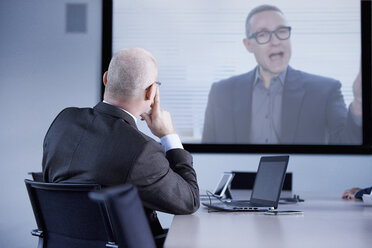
(66, 217)
(127, 216)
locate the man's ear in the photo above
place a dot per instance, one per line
(150, 91)
(247, 45)
(105, 78)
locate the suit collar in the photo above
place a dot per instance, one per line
(242, 106)
(293, 79)
(113, 110)
(293, 95)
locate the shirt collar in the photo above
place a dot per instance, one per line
(257, 77)
(134, 118)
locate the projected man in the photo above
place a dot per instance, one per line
(274, 103)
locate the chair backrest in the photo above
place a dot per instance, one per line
(66, 217)
(127, 216)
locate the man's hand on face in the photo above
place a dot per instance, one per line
(158, 120)
(357, 91)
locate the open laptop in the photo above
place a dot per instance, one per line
(266, 189)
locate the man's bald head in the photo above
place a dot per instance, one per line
(130, 72)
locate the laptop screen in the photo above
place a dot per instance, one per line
(269, 179)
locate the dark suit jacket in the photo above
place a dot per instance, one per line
(103, 145)
(361, 192)
(313, 111)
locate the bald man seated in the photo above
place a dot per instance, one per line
(103, 145)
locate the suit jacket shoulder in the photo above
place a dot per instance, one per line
(314, 111)
(297, 79)
(229, 85)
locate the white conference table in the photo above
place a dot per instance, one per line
(326, 222)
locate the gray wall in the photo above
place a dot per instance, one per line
(43, 69)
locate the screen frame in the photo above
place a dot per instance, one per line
(365, 148)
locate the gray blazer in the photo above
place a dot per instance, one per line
(103, 145)
(313, 111)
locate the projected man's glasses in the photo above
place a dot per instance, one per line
(263, 37)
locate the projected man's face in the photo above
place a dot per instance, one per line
(273, 56)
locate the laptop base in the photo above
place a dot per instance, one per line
(221, 206)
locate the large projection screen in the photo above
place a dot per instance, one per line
(199, 43)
